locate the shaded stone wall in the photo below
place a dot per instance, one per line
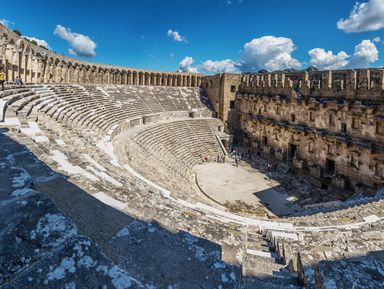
(35, 64)
(221, 89)
(334, 135)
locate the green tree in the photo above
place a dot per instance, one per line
(17, 32)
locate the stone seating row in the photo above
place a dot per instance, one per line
(190, 141)
(92, 108)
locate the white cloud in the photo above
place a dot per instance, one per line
(176, 36)
(327, 60)
(39, 42)
(376, 39)
(367, 16)
(364, 54)
(222, 66)
(269, 52)
(275, 53)
(81, 45)
(5, 22)
(186, 65)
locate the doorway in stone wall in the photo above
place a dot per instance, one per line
(292, 148)
(330, 167)
(272, 152)
(265, 140)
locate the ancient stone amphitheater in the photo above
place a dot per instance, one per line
(100, 187)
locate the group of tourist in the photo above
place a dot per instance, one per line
(18, 80)
(271, 166)
(237, 156)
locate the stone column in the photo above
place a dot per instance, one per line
(47, 71)
(3, 49)
(19, 61)
(64, 73)
(129, 77)
(96, 75)
(124, 78)
(58, 72)
(146, 78)
(32, 69)
(199, 79)
(52, 72)
(163, 80)
(76, 74)
(14, 63)
(23, 66)
(34, 74)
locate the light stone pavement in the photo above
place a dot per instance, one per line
(235, 187)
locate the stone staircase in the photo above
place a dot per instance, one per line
(261, 260)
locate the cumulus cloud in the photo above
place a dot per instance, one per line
(327, 60)
(275, 53)
(176, 36)
(39, 42)
(367, 16)
(364, 54)
(222, 66)
(5, 22)
(269, 52)
(376, 39)
(185, 65)
(81, 45)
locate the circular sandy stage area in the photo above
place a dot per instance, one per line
(242, 188)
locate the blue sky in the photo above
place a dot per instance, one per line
(135, 33)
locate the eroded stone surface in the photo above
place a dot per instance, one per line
(77, 264)
(30, 227)
(168, 260)
(358, 273)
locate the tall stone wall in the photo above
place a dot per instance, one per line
(328, 125)
(35, 64)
